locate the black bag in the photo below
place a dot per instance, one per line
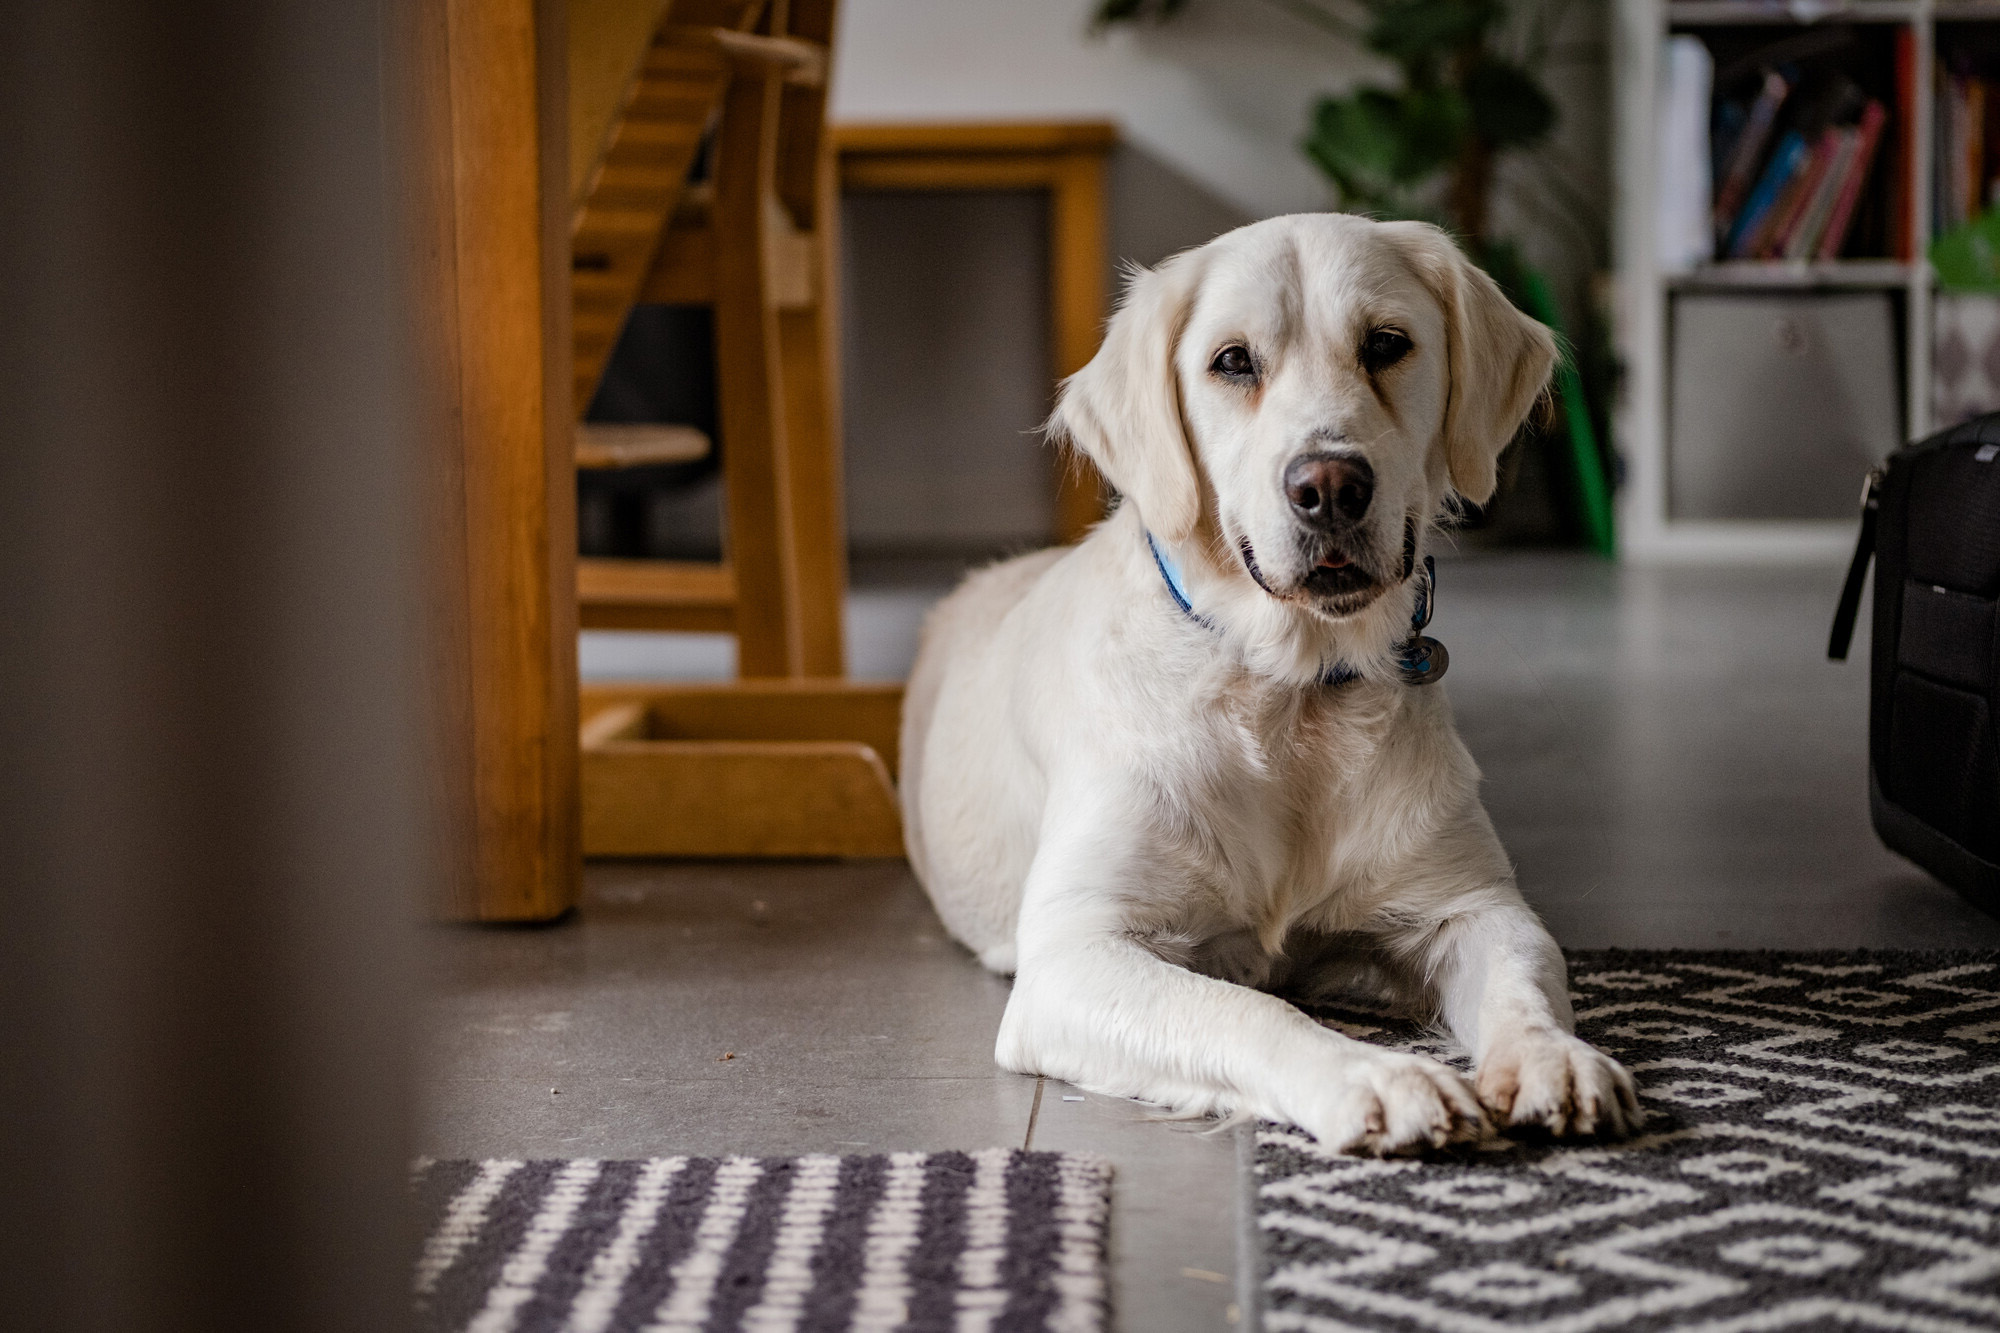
(1931, 518)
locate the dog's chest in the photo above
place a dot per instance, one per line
(1284, 785)
(1312, 741)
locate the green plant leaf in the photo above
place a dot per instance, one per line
(1422, 32)
(1377, 143)
(1967, 258)
(1508, 107)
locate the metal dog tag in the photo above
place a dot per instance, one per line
(1424, 661)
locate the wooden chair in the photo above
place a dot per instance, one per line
(755, 242)
(791, 760)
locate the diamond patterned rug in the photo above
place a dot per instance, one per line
(1822, 1151)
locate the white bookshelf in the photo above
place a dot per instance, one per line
(1647, 531)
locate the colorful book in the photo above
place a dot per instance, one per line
(1798, 196)
(1972, 92)
(1992, 139)
(1902, 233)
(1812, 220)
(1960, 150)
(1787, 160)
(1726, 127)
(1941, 156)
(1730, 196)
(1873, 118)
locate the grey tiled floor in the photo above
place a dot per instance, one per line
(1667, 756)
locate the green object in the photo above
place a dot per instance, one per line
(1967, 258)
(1375, 143)
(1593, 491)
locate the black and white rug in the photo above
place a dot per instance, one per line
(997, 1240)
(1823, 1151)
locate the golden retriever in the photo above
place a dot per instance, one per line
(1161, 774)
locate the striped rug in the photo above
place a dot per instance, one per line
(998, 1240)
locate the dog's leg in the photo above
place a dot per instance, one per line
(1503, 989)
(1092, 1005)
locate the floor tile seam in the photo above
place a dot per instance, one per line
(1034, 1112)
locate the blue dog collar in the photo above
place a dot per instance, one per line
(1420, 659)
(1170, 570)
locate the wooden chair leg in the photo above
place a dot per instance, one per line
(811, 339)
(751, 372)
(818, 530)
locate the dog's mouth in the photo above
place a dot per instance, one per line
(1338, 582)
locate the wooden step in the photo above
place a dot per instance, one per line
(602, 445)
(634, 188)
(655, 594)
(746, 769)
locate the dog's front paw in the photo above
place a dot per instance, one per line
(1557, 1082)
(1389, 1103)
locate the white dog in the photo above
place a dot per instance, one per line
(1182, 764)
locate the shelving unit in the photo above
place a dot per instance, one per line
(1738, 275)
(1648, 530)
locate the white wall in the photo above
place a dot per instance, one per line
(1221, 94)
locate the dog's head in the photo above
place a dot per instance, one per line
(1303, 394)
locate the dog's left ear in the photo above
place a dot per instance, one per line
(1124, 408)
(1499, 359)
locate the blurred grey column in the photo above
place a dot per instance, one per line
(211, 810)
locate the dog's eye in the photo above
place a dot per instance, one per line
(1383, 348)
(1234, 361)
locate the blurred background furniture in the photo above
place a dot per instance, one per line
(1717, 467)
(711, 185)
(1064, 158)
(750, 238)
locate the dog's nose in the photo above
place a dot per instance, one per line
(1327, 488)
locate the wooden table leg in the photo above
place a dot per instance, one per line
(493, 231)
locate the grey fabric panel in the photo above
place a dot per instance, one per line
(1946, 634)
(1779, 405)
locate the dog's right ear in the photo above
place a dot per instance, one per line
(1124, 408)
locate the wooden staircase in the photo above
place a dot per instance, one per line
(739, 88)
(642, 174)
